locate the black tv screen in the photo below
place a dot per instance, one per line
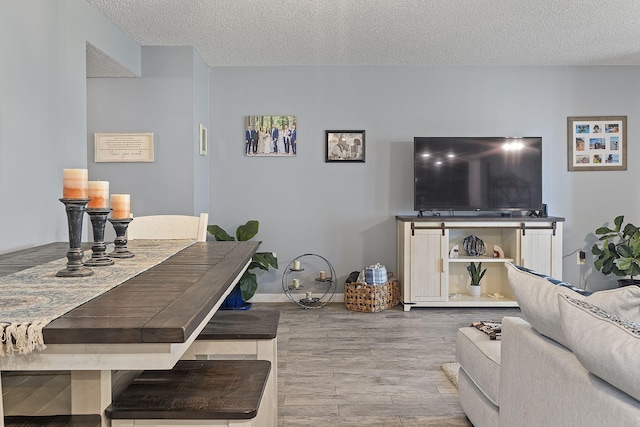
(477, 174)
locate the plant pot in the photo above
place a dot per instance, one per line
(234, 301)
(628, 282)
(475, 290)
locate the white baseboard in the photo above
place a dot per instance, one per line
(338, 297)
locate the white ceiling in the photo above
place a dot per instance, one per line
(387, 32)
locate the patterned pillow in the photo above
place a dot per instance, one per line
(538, 300)
(555, 281)
(607, 345)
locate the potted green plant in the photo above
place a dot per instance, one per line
(619, 251)
(248, 283)
(476, 273)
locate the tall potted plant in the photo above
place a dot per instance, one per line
(248, 283)
(619, 251)
(476, 273)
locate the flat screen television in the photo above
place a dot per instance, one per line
(477, 174)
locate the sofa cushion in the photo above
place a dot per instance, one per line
(554, 281)
(480, 358)
(605, 344)
(538, 300)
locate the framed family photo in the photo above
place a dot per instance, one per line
(345, 146)
(597, 143)
(270, 136)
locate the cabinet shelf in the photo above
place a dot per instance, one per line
(468, 259)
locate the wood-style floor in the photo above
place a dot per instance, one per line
(335, 368)
(344, 368)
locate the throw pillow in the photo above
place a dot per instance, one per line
(605, 344)
(538, 300)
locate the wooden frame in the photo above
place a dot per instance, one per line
(345, 146)
(597, 143)
(204, 140)
(123, 147)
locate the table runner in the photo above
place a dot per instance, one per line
(32, 298)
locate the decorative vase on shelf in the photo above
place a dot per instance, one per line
(474, 245)
(475, 290)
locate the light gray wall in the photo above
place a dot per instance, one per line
(342, 211)
(170, 100)
(201, 112)
(43, 109)
(345, 212)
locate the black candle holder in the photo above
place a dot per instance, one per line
(120, 226)
(75, 212)
(99, 258)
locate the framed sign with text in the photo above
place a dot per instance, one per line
(123, 147)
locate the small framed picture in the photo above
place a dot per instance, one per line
(345, 146)
(204, 142)
(597, 143)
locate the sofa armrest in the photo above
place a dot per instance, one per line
(542, 381)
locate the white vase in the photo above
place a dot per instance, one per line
(475, 290)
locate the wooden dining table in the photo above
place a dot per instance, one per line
(146, 322)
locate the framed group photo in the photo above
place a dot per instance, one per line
(270, 136)
(345, 146)
(597, 143)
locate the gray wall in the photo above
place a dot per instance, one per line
(43, 109)
(170, 99)
(345, 212)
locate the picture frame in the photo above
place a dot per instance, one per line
(203, 141)
(345, 146)
(270, 136)
(123, 147)
(597, 143)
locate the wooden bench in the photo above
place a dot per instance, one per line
(196, 392)
(251, 332)
(53, 421)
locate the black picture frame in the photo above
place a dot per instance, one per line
(346, 146)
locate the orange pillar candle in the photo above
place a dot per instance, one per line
(75, 183)
(99, 195)
(121, 206)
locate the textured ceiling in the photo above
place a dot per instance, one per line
(387, 32)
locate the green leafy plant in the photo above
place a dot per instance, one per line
(476, 273)
(619, 252)
(263, 260)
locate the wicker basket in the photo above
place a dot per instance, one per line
(359, 296)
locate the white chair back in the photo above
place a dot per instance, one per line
(169, 227)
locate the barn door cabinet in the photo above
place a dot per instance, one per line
(430, 277)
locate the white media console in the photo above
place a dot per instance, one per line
(431, 278)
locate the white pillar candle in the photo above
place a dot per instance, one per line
(75, 183)
(121, 206)
(323, 275)
(296, 265)
(296, 283)
(99, 194)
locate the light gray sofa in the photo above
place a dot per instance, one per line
(529, 379)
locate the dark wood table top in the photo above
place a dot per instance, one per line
(13, 262)
(164, 304)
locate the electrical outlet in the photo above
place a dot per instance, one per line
(580, 256)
